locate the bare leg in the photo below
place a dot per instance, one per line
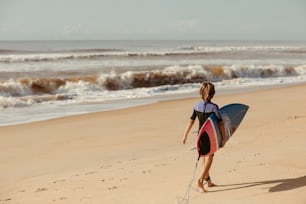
(207, 160)
(207, 178)
(201, 186)
(201, 180)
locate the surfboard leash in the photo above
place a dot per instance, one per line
(185, 199)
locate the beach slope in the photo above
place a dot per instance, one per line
(135, 155)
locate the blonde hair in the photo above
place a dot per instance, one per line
(207, 91)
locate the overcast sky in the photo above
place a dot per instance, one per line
(153, 19)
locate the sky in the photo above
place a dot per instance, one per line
(153, 20)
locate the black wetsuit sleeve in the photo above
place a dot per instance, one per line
(194, 115)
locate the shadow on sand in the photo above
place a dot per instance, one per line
(282, 184)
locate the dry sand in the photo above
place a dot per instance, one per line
(135, 155)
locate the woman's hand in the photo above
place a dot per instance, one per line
(184, 139)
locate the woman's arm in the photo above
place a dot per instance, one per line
(188, 128)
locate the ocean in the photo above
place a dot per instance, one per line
(41, 80)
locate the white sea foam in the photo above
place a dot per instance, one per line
(140, 83)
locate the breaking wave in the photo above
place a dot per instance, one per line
(26, 91)
(171, 75)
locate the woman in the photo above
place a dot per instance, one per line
(202, 110)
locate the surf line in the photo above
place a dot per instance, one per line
(185, 198)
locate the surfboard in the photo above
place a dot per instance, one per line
(210, 138)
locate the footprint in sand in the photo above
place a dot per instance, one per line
(40, 189)
(105, 166)
(89, 173)
(112, 188)
(147, 171)
(257, 154)
(232, 170)
(5, 200)
(294, 117)
(58, 181)
(162, 164)
(60, 198)
(123, 179)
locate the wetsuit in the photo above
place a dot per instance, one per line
(202, 110)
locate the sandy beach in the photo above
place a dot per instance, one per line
(135, 155)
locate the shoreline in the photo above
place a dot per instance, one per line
(89, 108)
(123, 156)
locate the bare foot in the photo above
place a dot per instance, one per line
(201, 186)
(211, 184)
